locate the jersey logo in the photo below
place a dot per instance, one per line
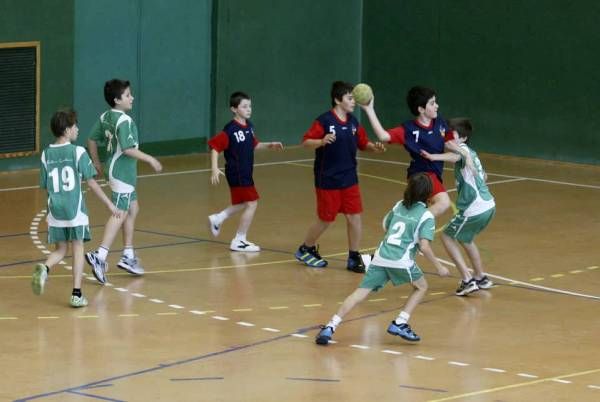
(443, 132)
(353, 130)
(109, 137)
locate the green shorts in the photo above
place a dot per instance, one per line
(123, 200)
(376, 277)
(465, 228)
(56, 235)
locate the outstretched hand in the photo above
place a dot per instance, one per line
(379, 147)
(426, 155)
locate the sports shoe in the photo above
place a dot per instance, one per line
(355, 265)
(78, 301)
(98, 266)
(484, 283)
(214, 225)
(310, 256)
(243, 245)
(404, 331)
(464, 288)
(131, 265)
(38, 279)
(324, 335)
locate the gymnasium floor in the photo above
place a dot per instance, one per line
(207, 324)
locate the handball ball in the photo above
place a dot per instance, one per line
(362, 94)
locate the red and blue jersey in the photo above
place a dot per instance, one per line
(237, 140)
(416, 137)
(335, 163)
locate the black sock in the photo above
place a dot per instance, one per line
(47, 269)
(76, 292)
(355, 255)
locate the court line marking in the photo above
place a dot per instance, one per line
(527, 284)
(566, 183)
(518, 385)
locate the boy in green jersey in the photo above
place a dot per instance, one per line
(63, 166)
(476, 208)
(118, 131)
(409, 227)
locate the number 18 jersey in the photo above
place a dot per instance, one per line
(403, 229)
(62, 169)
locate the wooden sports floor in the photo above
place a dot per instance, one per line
(207, 324)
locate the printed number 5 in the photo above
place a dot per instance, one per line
(397, 231)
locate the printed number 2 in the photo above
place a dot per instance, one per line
(67, 176)
(397, 231)
(239, 136)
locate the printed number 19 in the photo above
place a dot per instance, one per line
(67, 176)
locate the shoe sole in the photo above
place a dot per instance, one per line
(309, 265)
(358, 271)
(403, 337)
(130, 270)
(87, 259)
(321, 340)
(36, 283)
(466, 292)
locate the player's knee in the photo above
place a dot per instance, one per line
(421, 284)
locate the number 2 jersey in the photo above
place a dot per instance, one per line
(62, 168)
(237, 140)
(403, 229)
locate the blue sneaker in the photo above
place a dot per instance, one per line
(404, 331)
(310, 257)
(356, 264)
(324, 335)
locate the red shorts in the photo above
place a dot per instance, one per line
(239, 195)
(334, 201)
(438, 187)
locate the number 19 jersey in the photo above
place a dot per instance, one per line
(62, 169)
(403, 229)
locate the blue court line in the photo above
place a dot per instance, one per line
(197, 378)
(207, 356)
(311, 379)
(423, 388)
(95, 396)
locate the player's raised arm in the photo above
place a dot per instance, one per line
(378, 129)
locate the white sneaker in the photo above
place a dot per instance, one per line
(99, 267)
(243, 245)
(38, 280)
(214, 225)
(131, 265)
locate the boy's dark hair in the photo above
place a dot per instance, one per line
(114, 89)
(419, 189)
(237, 97)
(61, 120)
(463, 126)
(418, 97)
(339, 89)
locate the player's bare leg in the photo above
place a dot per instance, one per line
(78, 252)
(473, 253)
(315, 231)
(453, 251)
(439, 204)
(354, 230)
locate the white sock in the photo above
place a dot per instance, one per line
(402, 318)
(240, 236)
(334, 322)
(221, 216)
(102, 253)
(128, 252)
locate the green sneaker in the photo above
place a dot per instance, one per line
(77, 301)
(38, 280)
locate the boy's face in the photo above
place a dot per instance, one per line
(430, 109)
(71, 133)
(347, 103)
(125, 102)
(243, 110)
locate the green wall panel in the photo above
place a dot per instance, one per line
(24, 21)
(285, 54)
(524, 71)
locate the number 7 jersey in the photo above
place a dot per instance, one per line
(63, 166)
(403, 229)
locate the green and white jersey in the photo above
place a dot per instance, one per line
(474, 197)
(403, 229)
(118, 131)
(62, 169)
